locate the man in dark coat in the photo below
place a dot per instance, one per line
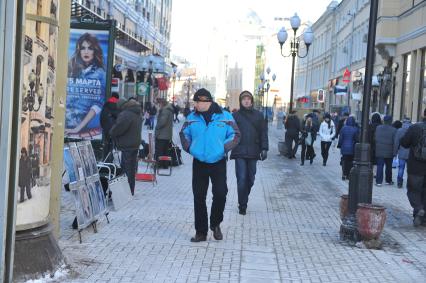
(384, 138)
(376, 121)
(252, 147)
(176, 110)
(126, 133)
(292, 126)
(24, 175)
(341, 124)
(163, 129)
(416, 182)
(109, 114)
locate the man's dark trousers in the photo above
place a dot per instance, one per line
(201, 173)
(416, 192)
(245, 170)
(289, 139)
(129, 165)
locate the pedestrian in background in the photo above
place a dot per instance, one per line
(292, 126)
(327, 133)
(176, 110)
(349, 136)
(163, 130)
(415, 140)
(384, 141)
(341, 124)
(208, 134)
(24, 181)
(252, 147)
(309, 136)
(401, 151)
(152, 114)
(126, 134)
(109, 114)
(376, 120)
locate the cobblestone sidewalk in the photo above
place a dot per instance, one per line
(290, 233)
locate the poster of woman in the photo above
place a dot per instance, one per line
(86, 88)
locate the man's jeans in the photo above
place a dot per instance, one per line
(381, 162)
(401, 170)
(245, 170)
(201, 173)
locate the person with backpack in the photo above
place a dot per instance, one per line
(109, 114)
(327, 132)
(384, 138)
(415, 140)
(309, 136)
(253, 146)
(126, 134)
(208, 134)
(401, 151)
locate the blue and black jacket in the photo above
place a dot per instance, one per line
(209, 141)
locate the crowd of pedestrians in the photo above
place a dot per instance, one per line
(212, 135)
(393, 144)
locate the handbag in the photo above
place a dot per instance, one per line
(176, 154)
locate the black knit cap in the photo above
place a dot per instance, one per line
(203, 95)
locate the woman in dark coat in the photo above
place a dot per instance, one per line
(348, 137)
(309, 136)
(376, 121)
(24, 181)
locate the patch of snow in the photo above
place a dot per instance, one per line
(61, 273)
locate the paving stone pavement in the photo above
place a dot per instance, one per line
(290, 232)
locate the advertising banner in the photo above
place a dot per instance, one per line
(89, 64)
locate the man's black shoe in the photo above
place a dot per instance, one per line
(217, 233)
(199, 238)
(242, 210)
(399, 185)
(418, 218)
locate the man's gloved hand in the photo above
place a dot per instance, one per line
(263, 155)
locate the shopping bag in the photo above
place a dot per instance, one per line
(395, 162)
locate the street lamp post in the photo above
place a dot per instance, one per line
(265, 86)
(361, 176)
(295, 43)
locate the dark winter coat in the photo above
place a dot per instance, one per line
(348, 137)
(254, 134)
(109, 114)
(375, 122)
(164, 127)
(410, 140)
(24, 171)
(399, 150)
(384, 138)
(292, 126)
(305, 131)
(126, 132)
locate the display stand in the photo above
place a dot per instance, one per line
(150, 174)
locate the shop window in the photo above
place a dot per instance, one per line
(422, 96)
(406, 86)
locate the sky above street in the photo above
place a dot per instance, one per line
(193, 20)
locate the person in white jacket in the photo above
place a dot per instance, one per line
(327, 132)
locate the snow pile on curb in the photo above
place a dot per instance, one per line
(61, 273)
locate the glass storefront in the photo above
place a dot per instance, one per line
(422, 95)
(406, 86)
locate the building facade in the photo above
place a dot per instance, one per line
(340, 47)
(401, 43)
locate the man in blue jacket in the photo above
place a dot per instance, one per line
(208, 134)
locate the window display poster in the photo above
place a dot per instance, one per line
(87, 81)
